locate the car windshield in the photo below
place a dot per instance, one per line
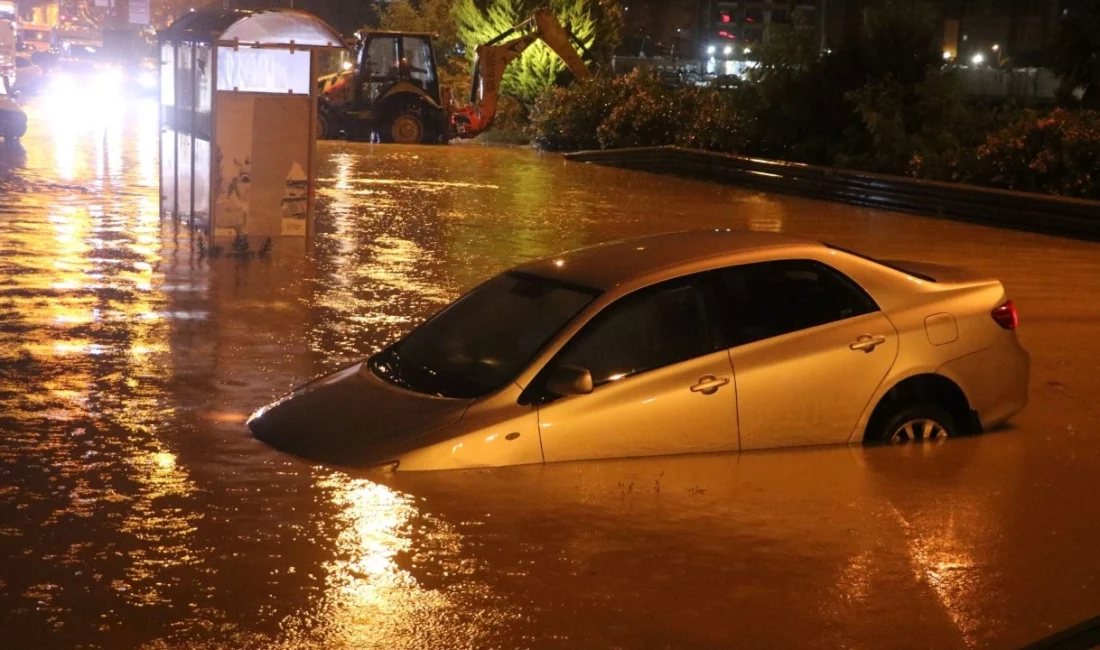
(483, 340)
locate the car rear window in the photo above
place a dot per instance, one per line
(889, 265)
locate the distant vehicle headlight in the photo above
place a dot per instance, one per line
(109, 79)
(62, 81)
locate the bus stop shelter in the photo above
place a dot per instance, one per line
(238, 105)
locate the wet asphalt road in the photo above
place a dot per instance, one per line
(136, 511)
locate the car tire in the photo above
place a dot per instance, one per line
(915, 423)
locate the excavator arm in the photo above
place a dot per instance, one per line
(493, 57)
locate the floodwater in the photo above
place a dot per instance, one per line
(137, 511)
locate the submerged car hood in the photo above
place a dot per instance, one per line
(352, 417)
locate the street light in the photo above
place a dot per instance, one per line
(728, 50)
(748, 50)
(977, 59)
(946, 55)
(996, 47)
(710, 49)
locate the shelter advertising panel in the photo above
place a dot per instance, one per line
(262, 158)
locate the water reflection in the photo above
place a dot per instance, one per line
(135, 510)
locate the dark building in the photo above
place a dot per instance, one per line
(745, 23)
(660, 28)
(1017, 32)
(1009, 32)
(688, 28)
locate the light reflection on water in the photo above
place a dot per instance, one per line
(135, 510)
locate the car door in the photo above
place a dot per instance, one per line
(662, 383)
(809, 348)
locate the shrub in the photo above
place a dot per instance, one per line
(638, 110)
(566, 119)
(724, 120)
(1056, 153)
(649, 115)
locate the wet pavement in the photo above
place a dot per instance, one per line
(136, 511)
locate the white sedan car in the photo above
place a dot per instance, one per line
(692, 342)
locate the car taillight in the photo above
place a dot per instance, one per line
(1006, 316)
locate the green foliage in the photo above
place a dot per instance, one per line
(927, 129)
(865, 106)
(596, 23)
(434, 17)
(1057, 153)
(723, 121)
(1077, 55)
(566, 119)
(649, 114)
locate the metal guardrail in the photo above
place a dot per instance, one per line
(1020, 210)
(1082, 636)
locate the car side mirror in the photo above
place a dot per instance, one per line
(569, 380)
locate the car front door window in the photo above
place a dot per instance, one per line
(662, 384)
(651, 329)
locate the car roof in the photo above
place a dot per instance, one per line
(610, 264)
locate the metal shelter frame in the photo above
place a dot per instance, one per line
(189, 87)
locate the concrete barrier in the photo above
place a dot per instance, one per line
(1020, 210)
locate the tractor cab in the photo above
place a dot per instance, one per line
(388, 59)
(393, 93)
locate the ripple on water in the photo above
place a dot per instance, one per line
(136, 511)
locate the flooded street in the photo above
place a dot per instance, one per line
(136, 511)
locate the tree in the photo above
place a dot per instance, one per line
(434, 17)
(596, 23)
(1077, 55)
(344, 16)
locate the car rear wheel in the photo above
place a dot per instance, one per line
(915, 424)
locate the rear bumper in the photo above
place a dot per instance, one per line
(995, 379)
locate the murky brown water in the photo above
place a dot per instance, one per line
(136, 511)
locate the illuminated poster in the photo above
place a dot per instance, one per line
(262, 158)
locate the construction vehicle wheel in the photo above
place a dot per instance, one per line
(406, 128)
(324, 126)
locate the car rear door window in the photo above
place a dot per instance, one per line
(651, 328)
(760, 301)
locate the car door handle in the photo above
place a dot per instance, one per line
(867, 343)
(709, 384)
